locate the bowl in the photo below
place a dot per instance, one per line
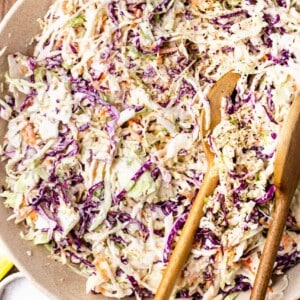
(54, 279)
(17, 286)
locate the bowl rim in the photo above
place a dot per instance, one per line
(7, 280)
(10, 13)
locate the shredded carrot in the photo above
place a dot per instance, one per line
(33, 216)
(28, 103)
(80, 71)
(219, 253)
(247, 263)
(137, 12)
(192, 279)
(29, 135)
(99, 261)
(287, 241)
(102, 77)
(89, 62)
(133, 121)
(23, 70)
(135, 135)
(103, 113)
(96, 84)
(159, 59)
(103, 25)
(47, 162)
(67, 7)
(208, 284)
(132, 124)
(58, 43)
(179, 11)
(124, 83)
(23, 203)
(265, 58)
(71, 239)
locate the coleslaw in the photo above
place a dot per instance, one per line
(103, 151)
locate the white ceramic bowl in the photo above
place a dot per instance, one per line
(18, 287)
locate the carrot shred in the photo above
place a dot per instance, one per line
(99, 261)
(29, 135)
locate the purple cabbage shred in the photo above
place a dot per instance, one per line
(267, 196)
(178, 225)
(207, 238)
(142, 292)
(92, 189)
(145, 167)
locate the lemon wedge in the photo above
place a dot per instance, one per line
(5, 265)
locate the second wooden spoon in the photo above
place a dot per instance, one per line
(286, 178)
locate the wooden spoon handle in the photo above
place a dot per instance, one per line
(186, 239)
(272, 243)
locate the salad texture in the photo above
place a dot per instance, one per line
(103, 150)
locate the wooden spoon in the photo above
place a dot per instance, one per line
(286, 178)
(222, 88)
